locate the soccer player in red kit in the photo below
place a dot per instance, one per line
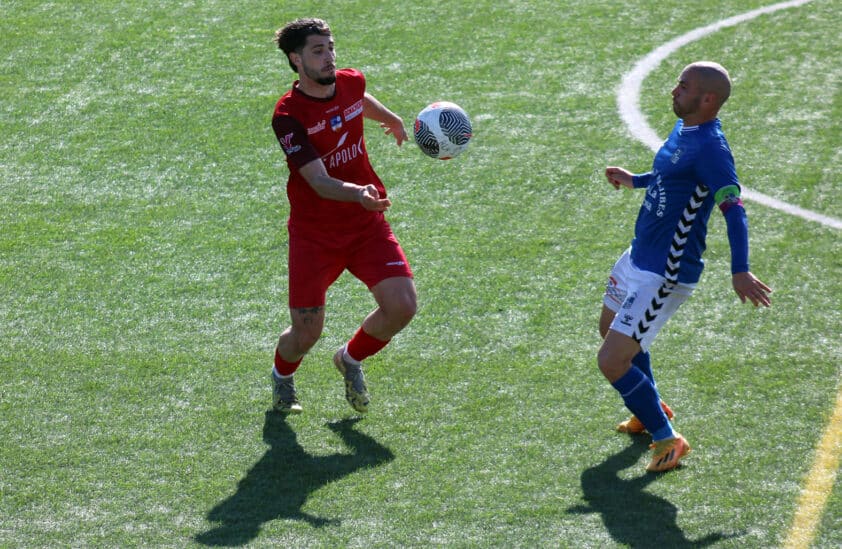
(337, 205)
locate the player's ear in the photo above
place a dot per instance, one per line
(294, 60)
(711, 99)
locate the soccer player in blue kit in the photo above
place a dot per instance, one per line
(693, 171)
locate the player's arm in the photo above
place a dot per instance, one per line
(315, 173)
(621, 177)
(389, 121)
(305, 158)
(747, 286)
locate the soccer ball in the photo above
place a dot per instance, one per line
(442, 130)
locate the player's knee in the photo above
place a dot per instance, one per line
(408, 308)
(609, 364)
(402, 308)
(601, 360)
(306, 339)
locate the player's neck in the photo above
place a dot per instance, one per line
(697, 120)
(700, 116)
(314, 89)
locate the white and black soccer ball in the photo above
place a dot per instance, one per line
(443, 130)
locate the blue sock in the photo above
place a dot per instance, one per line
(664, 432)
(642, 399)
(644, 362)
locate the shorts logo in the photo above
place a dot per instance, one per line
(614, 294)
(629, 302)
(627, 320)
(395, 263)
(336, 123)
(287, 146)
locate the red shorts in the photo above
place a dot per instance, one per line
(316, 259)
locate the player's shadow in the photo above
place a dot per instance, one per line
(278, 485)
(633, 516)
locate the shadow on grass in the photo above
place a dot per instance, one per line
(632, 516)
(278, 485)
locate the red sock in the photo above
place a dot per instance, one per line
(363, 345)
(284, 368)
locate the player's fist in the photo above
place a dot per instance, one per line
(371, 201)
(618, 177)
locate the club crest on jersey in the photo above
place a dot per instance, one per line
(287, 146)
(676, 156)
(336, 123)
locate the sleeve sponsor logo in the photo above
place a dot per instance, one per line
(287, 145)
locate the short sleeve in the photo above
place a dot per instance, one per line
(293, 140)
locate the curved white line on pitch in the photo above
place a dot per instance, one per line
(628, 102)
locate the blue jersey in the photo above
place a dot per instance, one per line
(692, 158)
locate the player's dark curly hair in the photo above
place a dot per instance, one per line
(292, 36)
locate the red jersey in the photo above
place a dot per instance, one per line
(331, 129)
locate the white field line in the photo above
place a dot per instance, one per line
(822, 476)
(628, 102)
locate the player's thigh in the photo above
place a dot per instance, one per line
(313, 267)
(380, 257)
(605, 318)
(615, 355)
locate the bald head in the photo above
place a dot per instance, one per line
(712, 78)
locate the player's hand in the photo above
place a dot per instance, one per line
(396, 129)
(749, 287)
(619, 177)
(370, 199)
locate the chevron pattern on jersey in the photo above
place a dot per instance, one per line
(679, 240)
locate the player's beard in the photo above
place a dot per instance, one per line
(682, 110)
(319, 78)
